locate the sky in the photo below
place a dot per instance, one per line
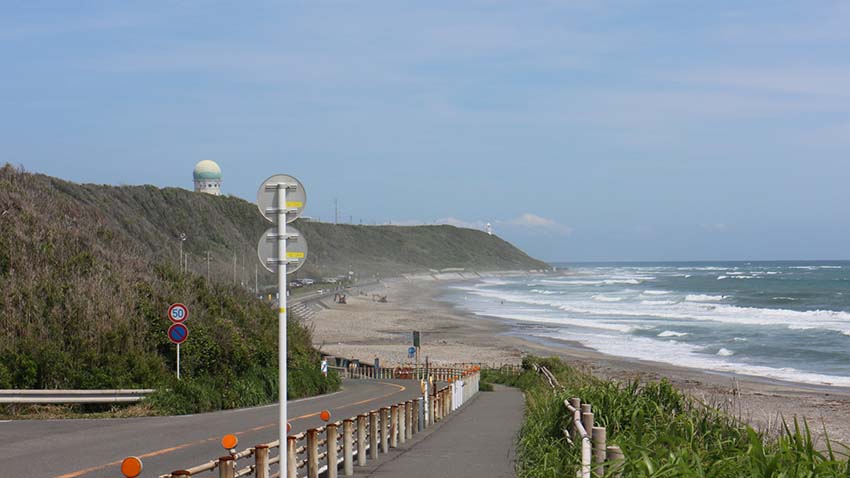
(582, 130)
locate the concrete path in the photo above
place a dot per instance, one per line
(479, 441)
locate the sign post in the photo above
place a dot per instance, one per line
(281, 199)
(178, 332)
(416, 344)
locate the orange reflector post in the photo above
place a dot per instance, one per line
(325, 415)
(229, 441)
(131, 467)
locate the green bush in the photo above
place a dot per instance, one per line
(662, 432)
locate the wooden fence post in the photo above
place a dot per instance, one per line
(385, 429)
(332, 444)
(361, 440)
(408, 423)
(616, 461)
(225, 467)
(402, 422)
(312, 453)
(373, 435)
(587, 422)
(291, 457)
(394, 427)
(416, 410)
(261, 461)
(347, 449)
(599, 438)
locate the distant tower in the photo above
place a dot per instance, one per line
(489, 229)
(207, 177)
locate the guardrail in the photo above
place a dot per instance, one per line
(73, 396)
(593, 443)
(343, 443)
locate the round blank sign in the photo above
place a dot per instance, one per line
(296, 250)
(296, 198)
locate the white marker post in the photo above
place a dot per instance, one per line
(279, 206)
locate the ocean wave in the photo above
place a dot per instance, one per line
(723, 352)
(656, 292)
(704, 298)
(670, 333)
(838, 321)
(605, 298)
(687, 355)
(658, 302)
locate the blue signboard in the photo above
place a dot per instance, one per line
(178, 333)
(411, 352)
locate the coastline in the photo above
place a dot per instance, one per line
(364, 329)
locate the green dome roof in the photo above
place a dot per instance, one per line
(207, 169)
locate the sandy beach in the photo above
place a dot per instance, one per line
(366, 329)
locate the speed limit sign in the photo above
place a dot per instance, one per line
(178, 313)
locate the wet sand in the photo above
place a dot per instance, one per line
(366, 329)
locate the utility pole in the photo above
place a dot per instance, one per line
(336, 211)
(234, 268)
(182, 240)
(256, 280)
(208, 265)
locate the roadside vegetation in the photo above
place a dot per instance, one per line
(83, 299)
(662, 432)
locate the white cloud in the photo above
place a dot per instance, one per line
(530, 220)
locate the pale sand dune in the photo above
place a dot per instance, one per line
(364, 329)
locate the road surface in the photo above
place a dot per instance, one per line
(94, 448)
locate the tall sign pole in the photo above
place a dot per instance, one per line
(281, 333)
(281, 199)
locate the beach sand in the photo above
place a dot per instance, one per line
(365, 329)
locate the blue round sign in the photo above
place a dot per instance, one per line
(411, 352)
(178, 333)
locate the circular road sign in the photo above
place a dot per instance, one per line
(178, 333)
(296, 250)
(296, 198)
(178, 313)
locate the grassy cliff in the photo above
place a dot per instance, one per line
(87, 272)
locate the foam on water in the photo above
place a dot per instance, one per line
(782, 321)
(686, 355)
(704, 298)
(605, 298)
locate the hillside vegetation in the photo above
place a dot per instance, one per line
(87, 272)
(662, 432)
(146, 222)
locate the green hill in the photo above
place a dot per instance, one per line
(87, 271)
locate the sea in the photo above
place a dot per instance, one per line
(786, 321)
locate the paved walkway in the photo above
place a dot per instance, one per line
(478, 441)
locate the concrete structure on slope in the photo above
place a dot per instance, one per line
(207, 176)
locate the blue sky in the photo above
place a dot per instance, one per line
(586, 130)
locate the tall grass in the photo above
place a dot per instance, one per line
(662, 432)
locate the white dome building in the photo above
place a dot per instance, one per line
(207, 175)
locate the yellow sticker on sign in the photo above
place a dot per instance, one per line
(294, 255)
(294, 204)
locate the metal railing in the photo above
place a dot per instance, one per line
(73, 396)
(342, 444)
(595, 454)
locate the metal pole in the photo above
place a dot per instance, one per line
(281, 290)
(178, 361)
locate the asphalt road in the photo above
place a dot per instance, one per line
(95, 448)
